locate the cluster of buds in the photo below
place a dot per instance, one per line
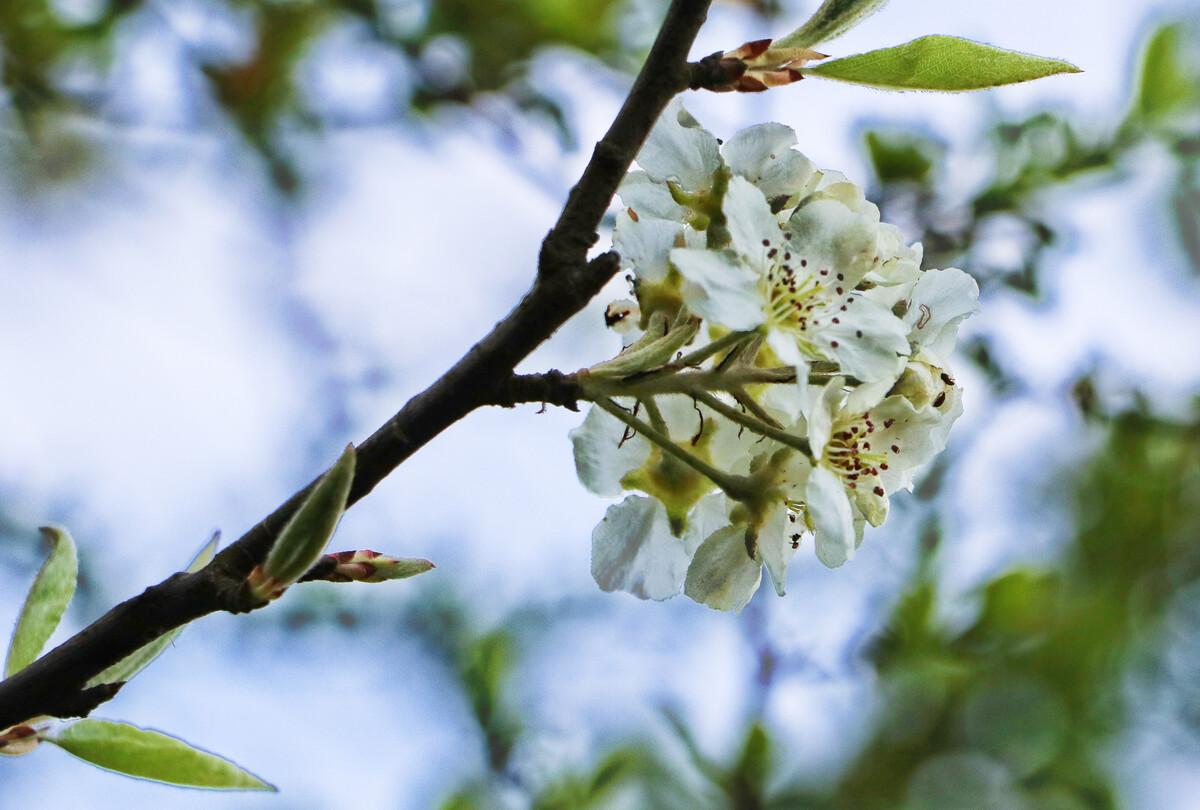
(784, 370)
(760, 66)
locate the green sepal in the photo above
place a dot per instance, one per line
(146, 754)
(675, 484)
(942, 63)
(644, 354)
(48, 598)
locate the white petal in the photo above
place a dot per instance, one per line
(685, 419)
(898, 263)
(786, 402)
(601, 458)
(645, 244)
(785, 348)
(821, 414)
(733, 447)
(775, 546)
(633, 550)
(836, 186)
(720, 288)
(830, 236)
(868, 502)
(648, 198)
(792, 399)
(950, 410)
(750, 222)
(870, 340)
(911, 438)
(833, 521)
(941, 300)
(763, 154)
(867, 396)
(680, 149)
(710, 515)
(794, 478)
(722, 575)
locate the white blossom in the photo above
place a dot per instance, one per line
(745, 243)
(797, 283)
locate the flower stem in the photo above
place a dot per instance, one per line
(733, 485)
(687, 382)
(754, 423)
(656, 417)
(704, 352)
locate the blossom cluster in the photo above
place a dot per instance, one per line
(784, 369)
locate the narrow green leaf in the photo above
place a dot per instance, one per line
(1166, 85)
(832, 19)
(711, 770)
(46, 603)
(152, 755)
(754, 763)
(136, 661)
(305, 536)
(941, 63)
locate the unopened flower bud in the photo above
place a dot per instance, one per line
(769, 67)
(365, 565)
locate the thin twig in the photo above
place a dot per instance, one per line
(727, 482)
(754, 423)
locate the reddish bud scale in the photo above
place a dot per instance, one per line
(19, 739)
(263, 587)
(750, 50)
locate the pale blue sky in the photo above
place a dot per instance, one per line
(178, 357)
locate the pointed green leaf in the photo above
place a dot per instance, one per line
(941, 63)
(46, 603)
(136, 661)
(152, 755)
(832, 19)
(1166, 85)
(305, 536)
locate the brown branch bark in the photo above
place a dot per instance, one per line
(566, 280)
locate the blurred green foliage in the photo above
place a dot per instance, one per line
(451, 51)
(1041, 153)
(1019, 707)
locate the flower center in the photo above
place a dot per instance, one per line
(799, 297)
(851, 454)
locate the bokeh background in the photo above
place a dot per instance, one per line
(235, 235)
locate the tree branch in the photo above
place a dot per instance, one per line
(566, 281)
